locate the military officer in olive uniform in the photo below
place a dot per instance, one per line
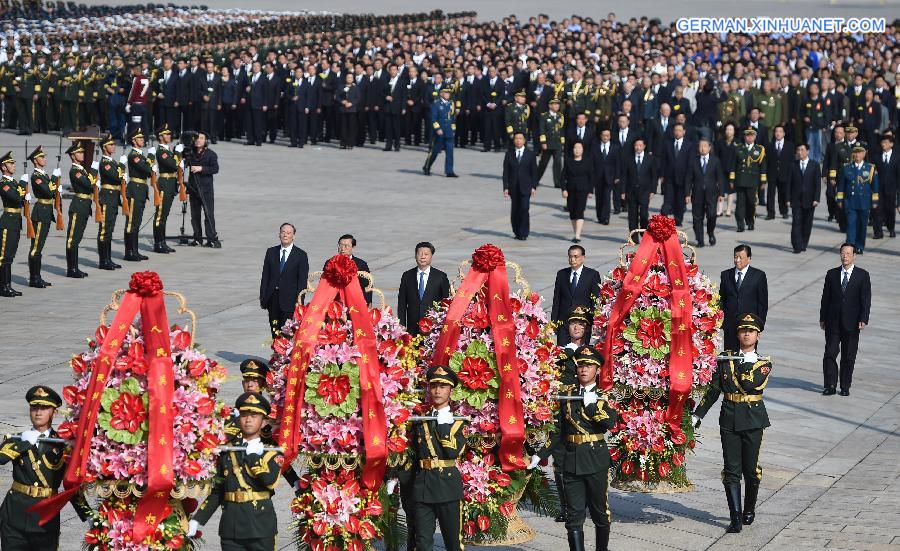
(749, 174)
(550, 130)
(516, 116)
(857, 195)
(13, 195)
(83, 181)
(24, 82)
(44, 187)
(37, 472)
(137, 192)
(166, 160)
(245, 484)
(437, 487)
(111, 173)
(741, 376)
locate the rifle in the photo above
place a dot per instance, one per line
(182, 191)
(154, 181)
(27, 207)
(122, 190)
(59, 218)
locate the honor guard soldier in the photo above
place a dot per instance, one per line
(741, 420)
(166, 160)
(245, 484)
(111, 173)
(253, 379)
(749, 174)
(44, 188)
(516, 116)
(14, 195)
(550, 130)
(37, 471)
(437, 487)
(137, 192)
(83, 183)
(443, 116)
(857, 195)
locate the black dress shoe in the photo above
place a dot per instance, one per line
(784, 215)
(770, 217)
(195, 243)
(798, 251)
(215, 244)
(844, 392)
(426, 172)
(712, 240)
(452, 175)
(699, 244)
(893, 234)
(750, 228)
(878, 236)
(829, 391)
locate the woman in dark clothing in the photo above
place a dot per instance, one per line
(348, 98)
(230, 97)
(577, 186)
(726, 153)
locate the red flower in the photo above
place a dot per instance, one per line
(542, 354)
(182, 340)
(475, 373)
(618, 274)
(280, 345)
(145, 284)
(483, 523)
(207, 442)
(664, 469)
(340, 270)
(661, 227)
(334, 389)
(335, 310)
(503, 480)
(332, 333)
(655, 287)
(615, 454)
(515, 305)
(375, 316)
(426, 325)
(127, 412)
(477, 317)
(192, 467)
(627, 467)
(354, 545)
(618, 344)
(607, 291)
(66, 430)
(197, 367)
(366, 530)
(72, 395)
(100, 333)
(469, 528)
(651, 332)
(678, 459)
(486, 258)
(176, 542)
(678, 438)
(78, 364)
(532, 330)
(396, 444)
(205, 405)
(506, 508)
(352, 524)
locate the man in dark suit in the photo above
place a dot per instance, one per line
(313, 85)
(887, 164)
(394, 107)
(273, 101)
(625, 135)
(183, 96)
(703, 184)
(284, 275)
(492, 95)
(346, 246)
(639, 177)
(415, 106)
(420, 287)
(606, 176)
(520, 184)
(743, 290)
(257, 97)
(167, 85)
(328, 84)
(676, 155)
(581, 132)
(846, 299)
(805, 189)
(574, 286)
(211, 106)
(781, 161)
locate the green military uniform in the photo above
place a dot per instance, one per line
(86, 88)
(111, 174)
(602, 103)
(67, 85)
(741, 422)
(244, 487)
(250, 370)
(578, 94)
(44, 188)
(550, 130)
(43, 87)
(83, 181)
(771, 107)
(166, 161)
(437, 487)
(729, 111)
(516, 117)
(136, 193)
(12, 193)
(749, 174)
(37, 472)
(24, 82)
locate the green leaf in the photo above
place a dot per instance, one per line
(109, 396)
(130, 386)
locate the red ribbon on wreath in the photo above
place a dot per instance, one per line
(489, 266)
(144, 295)
(660, 238)
(339, 278)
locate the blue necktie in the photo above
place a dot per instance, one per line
(421, 285)
(704, 165)
(574, 282)
(283, 261)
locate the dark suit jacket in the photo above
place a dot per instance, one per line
(198, 84)
(289, 282)
(627, 147)
(780, 166)
(259, 95)
(704, 187)
(656, 136)
(520, 176)
(564, 300)
(398, 99)
(410, 308)
(588, 139)
(753, 297)
(676, 165)
(273, 90)
(807, 187)
(639, 183)
(847, 308)
(606, 167)
(889, 174)
(182, 88)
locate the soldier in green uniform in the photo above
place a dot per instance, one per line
(729, 110)
(604, 90)
(44, 187)
(749, 174)
(85, 86)
(43, 77)
(13, 195)
(771, 107)
(245, 483)
(578, 94)
(552, 140)
(67, 90)
(24, 86)
(165, 160)
(83, 181)
(437, 487)
(37, 472)
(516, 116)
(111, 173)
(741, 420)
(137, 192)
(253, 379)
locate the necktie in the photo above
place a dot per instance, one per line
(574, 282)
(621, 136)
(283, 261)
(421, 285)
(803, 168)
(677, 147)
(740, 280)
(518, 156)
(703, 167)
(844, 282)
(779, 147)
(604, 150)
(581, 133)
(639, 159)
(885, 158)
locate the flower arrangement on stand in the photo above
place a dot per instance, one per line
(646, 293)
(337, 507)
(493, 482)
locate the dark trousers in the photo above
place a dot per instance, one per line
(277, 316)
(109, 212)
(493, 120)
(203, 202)
(329, 122)
(673, 202)
(256, 126)
(41, 229)
(348, 129)
(271, 124)
(248, 544)
(77, 224)
(885, 214)
(208, 120)
(777, 187)
(230, 126)
(704, 207)
(520, 203)
(373, 117)
(24, 109)
(462, 128)
(638, 212)
(172, 115)
(361, 124)
(587, 493)
(168, 192)
(844, 342)
(475, 126)
(392, 130)
(408, 502)
(740, 450)
(745, 207)
(17, 540)
(297, 125)
(602, 191)
(447, 516)
(312, 126)
(546, 156)
(801, 226)
(412, 126)
(857, 227)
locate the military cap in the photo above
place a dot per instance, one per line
(164, 129)
(750, 131)
(579, 313)
(70, 55)
(41, 395)
(520, 94)
(38, 152)
(107, 139)
(76, 147)
(253, 402)
(554, 100)
(251, 369)
(441, 374)
(26, 52)
(858, 148)
(587, 354)
(750, 321)
(117, 56)
(850, 128)
(8, 158)
(135, 134)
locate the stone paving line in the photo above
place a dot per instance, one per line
(830, 477)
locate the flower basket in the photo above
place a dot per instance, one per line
(656, 319)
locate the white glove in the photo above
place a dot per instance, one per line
(123, 159)
(590, 397)
(391, 484)
(30, 436)
(57, 172)
(445, 417)
(29, 198)
(193, 526)
(155, 168)
(128, 108)
(751, 357)
(23, 178)
(255, 448)
(695, 420)
(152, 151)
(534, 462)
(95, 165)
(179, 148)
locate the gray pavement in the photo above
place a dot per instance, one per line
(830, 469)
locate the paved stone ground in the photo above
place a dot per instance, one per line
(831, 474)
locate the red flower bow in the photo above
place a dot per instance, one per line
(661, 227)
(145, 284)
(486, 258)
(340, 270)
